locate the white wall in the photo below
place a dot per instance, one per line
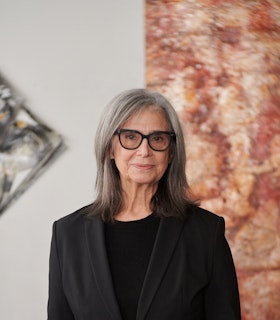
(68, 58)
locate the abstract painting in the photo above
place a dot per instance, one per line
(27, 145)
(219, 64)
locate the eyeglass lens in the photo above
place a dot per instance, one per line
(158, 141)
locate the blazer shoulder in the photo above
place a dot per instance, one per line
(203, 215)
(206, 221)
(74, 220)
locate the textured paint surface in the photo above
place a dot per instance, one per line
(219, 64)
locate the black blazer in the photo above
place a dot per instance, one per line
(190, 276)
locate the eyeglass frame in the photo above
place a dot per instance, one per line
(146, 136)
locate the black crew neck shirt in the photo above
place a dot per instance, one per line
(129, 247)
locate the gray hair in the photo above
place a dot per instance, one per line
(172, 196)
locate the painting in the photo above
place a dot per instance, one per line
(219, 64)
(27, 145)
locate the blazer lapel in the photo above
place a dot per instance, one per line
(168, 234)
(94, 230)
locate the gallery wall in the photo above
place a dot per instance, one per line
(67, 59)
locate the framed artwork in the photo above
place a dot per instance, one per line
(27, 145)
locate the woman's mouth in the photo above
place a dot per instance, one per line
(142, 166)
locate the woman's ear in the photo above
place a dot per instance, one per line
(170, 157)
(112, 153)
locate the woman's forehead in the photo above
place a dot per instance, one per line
(147, 111)
(148, 115)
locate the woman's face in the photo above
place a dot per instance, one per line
(142, 165)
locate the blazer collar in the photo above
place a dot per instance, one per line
(166, 240)
(94, 229)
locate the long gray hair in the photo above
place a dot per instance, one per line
(173, 195)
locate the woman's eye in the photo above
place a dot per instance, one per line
(130, 137)
(157, 138)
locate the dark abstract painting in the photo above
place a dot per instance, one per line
(27, 145)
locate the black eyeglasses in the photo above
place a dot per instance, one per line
(157, 140)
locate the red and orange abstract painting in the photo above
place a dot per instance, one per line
(218, 62)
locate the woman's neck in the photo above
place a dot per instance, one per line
(136, 203)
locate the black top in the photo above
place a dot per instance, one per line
(129, 246)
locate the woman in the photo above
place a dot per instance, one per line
(143, 249)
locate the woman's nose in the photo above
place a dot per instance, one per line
(144, 148)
